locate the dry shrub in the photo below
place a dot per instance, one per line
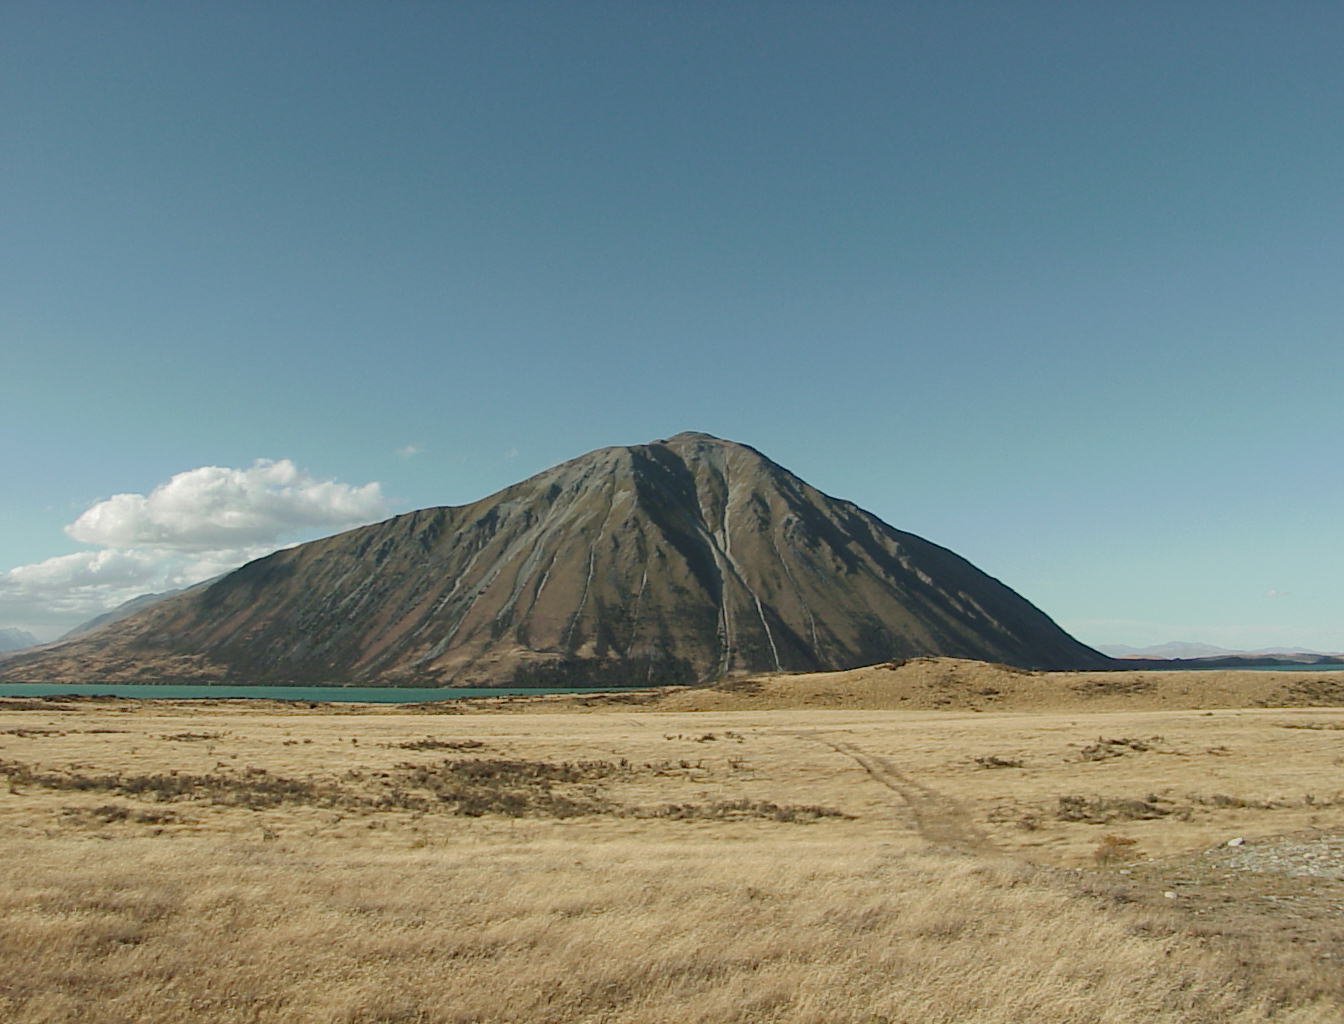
(1225, 800)
(511, 787)
(108, 814)
(34, 704)
(1113, 847)
(471, 787)
(32, 731)
(738, 810)
(1105, 749)
(1101, 810)
(254, 787)
(429, 743)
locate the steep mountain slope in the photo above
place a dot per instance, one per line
(676, 561)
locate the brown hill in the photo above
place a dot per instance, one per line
(681, 560)
(951, 684)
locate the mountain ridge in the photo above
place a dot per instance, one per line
(122, 611)
(14, 639)
(1193, 650)
(682, 560)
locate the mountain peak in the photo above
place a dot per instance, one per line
(695, 435)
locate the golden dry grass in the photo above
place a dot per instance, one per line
(618, 864)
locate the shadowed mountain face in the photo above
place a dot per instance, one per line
(672, 562)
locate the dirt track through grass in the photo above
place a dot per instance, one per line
(938, 819)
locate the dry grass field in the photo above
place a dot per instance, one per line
(882, 846)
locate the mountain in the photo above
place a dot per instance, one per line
(1185, 650)
(1174, 649)
(677, 561)
(122, 611)
(16, 639)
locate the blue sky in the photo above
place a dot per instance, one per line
(1056, 286)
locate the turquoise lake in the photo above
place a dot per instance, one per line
(311, 694)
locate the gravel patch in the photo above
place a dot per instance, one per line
(1321, 857)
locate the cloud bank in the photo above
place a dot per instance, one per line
(214, 507)
(198, 524)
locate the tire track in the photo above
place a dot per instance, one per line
(937, 818)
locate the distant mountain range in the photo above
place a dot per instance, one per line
(16, 639)
(681, 560)
(1186, 650)
(122, 611)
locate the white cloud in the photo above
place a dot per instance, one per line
(199, 524)
(410, 451)
(69, 575)
(214, 507)
(49, 597)
(1274, 593)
